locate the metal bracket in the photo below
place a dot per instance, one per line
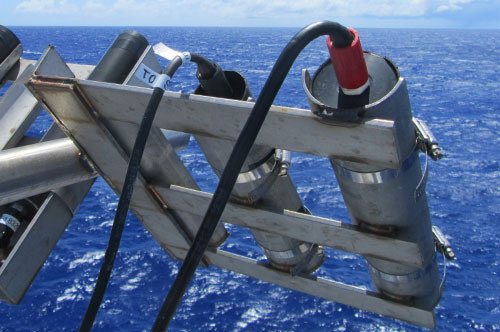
(158, 201)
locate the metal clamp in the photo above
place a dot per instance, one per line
(442, 244)
(379, 177)
(277, 165)
(426, 140)
(284, 158)
(302, 265)
(404, 278)
(265, 175)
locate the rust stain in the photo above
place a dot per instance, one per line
(158, 197)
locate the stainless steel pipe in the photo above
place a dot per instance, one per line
(38, 168)
(386, 201)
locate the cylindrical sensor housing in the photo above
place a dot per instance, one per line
(8, 42)
(384, 201)
(259, 184)
(120, 58)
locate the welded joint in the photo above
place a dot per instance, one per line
(50, 81)
(181, 227)
(71, 84)
(87, 163)
(158, 197)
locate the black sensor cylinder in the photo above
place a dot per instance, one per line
(8, 42)
(120, 58)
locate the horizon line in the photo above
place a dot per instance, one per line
(236, 26)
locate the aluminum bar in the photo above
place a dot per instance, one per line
(292, 129)
(327, 232)
(324, 288)
(18, 110)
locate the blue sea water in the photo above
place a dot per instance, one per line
(453, 83)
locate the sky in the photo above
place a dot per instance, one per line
(484, 14)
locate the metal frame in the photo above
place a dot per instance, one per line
(308, 228)
(98, 117)
(19, 109)
(327, 289)
(54, 163)
(110, 159)
(8, 63)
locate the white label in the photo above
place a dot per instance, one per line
(169, 53)
(10, 221)
(152, 78)
(185, 56)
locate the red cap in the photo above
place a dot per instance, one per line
(349, 63)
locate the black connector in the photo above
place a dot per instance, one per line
(215, 85)
(120, 58)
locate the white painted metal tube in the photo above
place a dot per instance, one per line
(38, 168)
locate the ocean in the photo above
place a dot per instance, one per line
(453, 81)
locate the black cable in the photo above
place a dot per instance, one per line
(341, 38)
(206, 68)
(124, 202)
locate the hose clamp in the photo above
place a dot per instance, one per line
(266, 173)
(404, 278)
(387, 175)
(380, 177)
(300, 250)
(259, 172)
(302, 265)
